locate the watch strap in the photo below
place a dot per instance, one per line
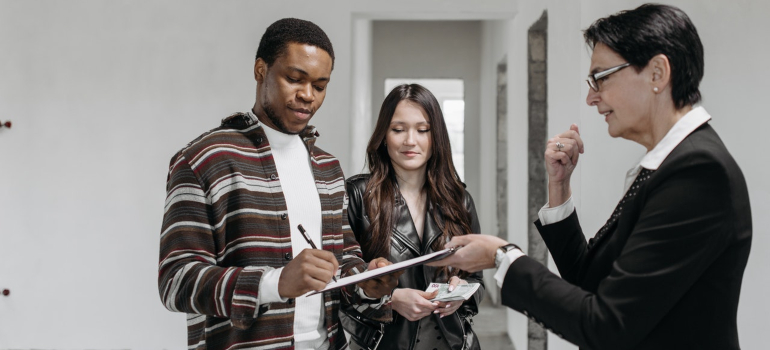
(501, 251)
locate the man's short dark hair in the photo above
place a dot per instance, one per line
(639, 34)
(291, 30)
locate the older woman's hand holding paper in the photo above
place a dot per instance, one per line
(477, 253)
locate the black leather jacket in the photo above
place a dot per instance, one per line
(404, 245)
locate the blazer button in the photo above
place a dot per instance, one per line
(284, 216)
(273, 177)
(290, 301)
(287, 256)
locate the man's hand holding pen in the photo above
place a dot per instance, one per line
(312, 269)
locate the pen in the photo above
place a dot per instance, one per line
(310, 241)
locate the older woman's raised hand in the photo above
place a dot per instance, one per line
(561, 156)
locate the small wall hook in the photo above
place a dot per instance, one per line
(6, 124)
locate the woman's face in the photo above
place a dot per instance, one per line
(625, 98)
(408, 139)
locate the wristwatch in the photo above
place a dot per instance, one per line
(500, 252)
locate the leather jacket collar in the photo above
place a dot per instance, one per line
(405, 231)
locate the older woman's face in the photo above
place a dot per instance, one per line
(624, 97)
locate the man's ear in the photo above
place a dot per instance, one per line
(661, 71)
(260, 70)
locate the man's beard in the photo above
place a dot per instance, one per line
(277, 122)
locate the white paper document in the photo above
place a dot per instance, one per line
(366, 275)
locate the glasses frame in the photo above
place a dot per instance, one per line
(593, 78)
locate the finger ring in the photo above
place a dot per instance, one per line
(559, 145)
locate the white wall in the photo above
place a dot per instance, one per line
(494, 36)
(101, 95)
(564, 101)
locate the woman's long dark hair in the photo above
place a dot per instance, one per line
(444, 189)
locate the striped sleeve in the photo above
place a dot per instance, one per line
(353, 262)
(352, 257)
(189, 279)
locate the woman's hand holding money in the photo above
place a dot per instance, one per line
(413, 304)
(449, 307)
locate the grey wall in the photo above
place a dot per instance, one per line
(433, 49)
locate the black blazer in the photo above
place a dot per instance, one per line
(666, 276)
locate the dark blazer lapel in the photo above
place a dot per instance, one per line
(599, 238)
(608, 246)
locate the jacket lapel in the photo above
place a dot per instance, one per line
(404, 230)
(431, 230)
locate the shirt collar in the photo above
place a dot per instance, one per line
(279, 140)
(685, 126)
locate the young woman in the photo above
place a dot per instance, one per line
(411, 203)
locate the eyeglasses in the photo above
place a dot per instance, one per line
(593, 79)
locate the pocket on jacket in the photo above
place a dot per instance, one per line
(396, 244)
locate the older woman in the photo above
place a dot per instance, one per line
(665, 271)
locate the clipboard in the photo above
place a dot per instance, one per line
(367, 275)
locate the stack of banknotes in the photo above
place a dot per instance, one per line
(461, 291)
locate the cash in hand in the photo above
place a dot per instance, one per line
(461, 291)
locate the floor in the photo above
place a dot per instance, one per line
(491, 327)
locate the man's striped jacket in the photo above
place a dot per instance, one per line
(226, 223)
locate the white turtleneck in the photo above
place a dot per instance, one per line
(292, 162)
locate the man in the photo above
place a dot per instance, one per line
(231, 254)
(665, 271)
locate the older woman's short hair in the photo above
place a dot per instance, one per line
(639, 34)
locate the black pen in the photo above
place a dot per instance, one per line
(309, 241)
